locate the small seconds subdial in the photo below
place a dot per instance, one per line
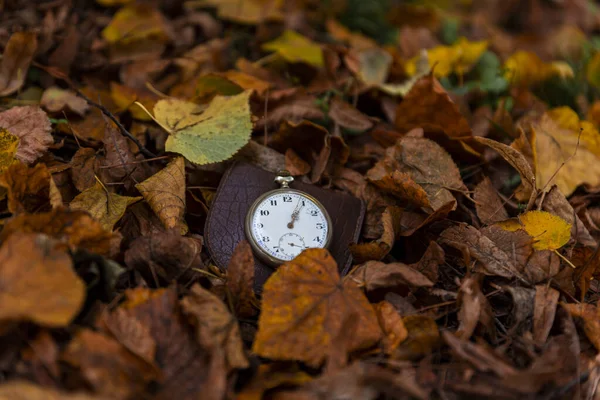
(291, 244)
(285, 223)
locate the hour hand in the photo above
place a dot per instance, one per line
(295, 215)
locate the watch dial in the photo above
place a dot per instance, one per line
(286, 223)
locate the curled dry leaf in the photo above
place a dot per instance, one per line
(165, 193)
(72, 229)
(240, 280)
(399, 184)
(392, 326)
(39, 283)
(107, 366)
(374, 275)
(488, 203)
(17, 57)
(56, 100)
(215, 326)
(379, 248)
(32, 126)
(548, 231)
(105, 207)
(162, 257)
(210, 135)
(304, 304)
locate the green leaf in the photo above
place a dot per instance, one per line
(210, 135)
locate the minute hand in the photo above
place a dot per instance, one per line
(295, 214)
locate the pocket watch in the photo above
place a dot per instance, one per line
(283, 222)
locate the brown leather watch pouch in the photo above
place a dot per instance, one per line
(241, 185)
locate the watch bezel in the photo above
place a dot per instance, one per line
(258, 251)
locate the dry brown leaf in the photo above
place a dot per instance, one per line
(39, 283)
(392, 326)
(544, 311)
(56, 100)
(165, 193)
(131, 333)
(119, 162)
(17, 57)
(71, 229)
(379, 248)
(429, 106)
(22, 390)
(32, 126)
(240, 280)
(295, 164)
(304, 304)
(83, 167)
(28, 189)
(474, 309)
(374, 275)
(347, 116)
(591, 320)
(399, 184)
(473, 243)
(215, 326)
(162, 257)
(105, 207)
(432, 259)
(108, 367)
(488, 203)
(423, 337)
(518, 244)
(541, 266)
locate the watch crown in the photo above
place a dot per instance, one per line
(284, 178)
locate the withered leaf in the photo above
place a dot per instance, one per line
(518, 245)
(295, 164)
(473, 243)
(28, 189)
(474, 308)
(165, 193)
(546, 300)
(161, 257)
(392, 326)
(32, 126)
(83, 166)
(488, 203)
(379, 248)
(423, 337)
(376, 275)
(70, 228)
(131, 333)
(17, 57)
(215, 326)
(108, 366)
(105, 207)
(56, 100)
(304, 304)
(428, 264)
(399, 184)
(39, 283)
(240, 280)
(348, 117)
(591, 321)
(119, 160)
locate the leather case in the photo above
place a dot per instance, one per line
(241, 185)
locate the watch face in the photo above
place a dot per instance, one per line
(285, 222)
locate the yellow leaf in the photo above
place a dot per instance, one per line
(293, 47)
(549, 232)
(106, 208)
(402, 89)
(458, 58)
(135, 23)
(165, 193)
(210, 136)
(563, 139)
(8, 149)
(592, 71)
(245, 12)
(525, 68)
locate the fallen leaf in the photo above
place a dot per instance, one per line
(471, 242)
(304, 303)
(215, 326)
(432, 259)
(28, 189)
(374, 275)
(124, 97)
(165, 193)
(423, 337)
(402, 89)
(17, 56)
(32, 126)
(105, 207)
(548, 231)
(546, 300)
(83, 167)
(248, 12)
(392, 326)
(39, 283)
(524, 68)
(56, 100)
(8, 148)
(295, 164)
(131, 333)
(518, 244)
(22, 390)
(488, 203)
(72, 229)
(206, 136)
(293, 47)
(136, 22)
(591, 321)
(240, 280)
(272, 376)
(162, 257)
(379, 248)
(107, 366)
(399, 184)
(474, 309)
(355, 39)
(429, 106)
(348, 117)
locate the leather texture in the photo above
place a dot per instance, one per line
(241, 185)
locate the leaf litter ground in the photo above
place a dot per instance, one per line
(469, 129)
